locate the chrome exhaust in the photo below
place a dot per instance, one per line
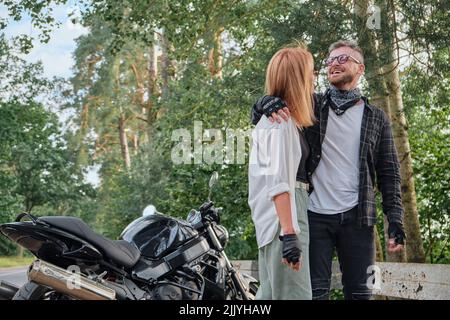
(74, 285)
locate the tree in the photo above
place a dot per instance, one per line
(36, 167)
(41, 14)
(428, 97)
(385, 46)
(146, 69)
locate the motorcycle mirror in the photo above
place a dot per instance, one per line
(149, 210)
(214, 178)
(212, 181)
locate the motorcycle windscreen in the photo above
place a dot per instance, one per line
(158, 235)
(50, 244)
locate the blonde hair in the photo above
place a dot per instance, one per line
(290, 76)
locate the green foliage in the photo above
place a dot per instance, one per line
(188, 24)
(34, 152)
(427, 23)
(336, 294)
(20, 81)
(175, 189)
(315, 23)
(428, 107)
(41, 168)
(41, 15)
(37, 170)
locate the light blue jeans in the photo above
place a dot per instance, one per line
(278, 281)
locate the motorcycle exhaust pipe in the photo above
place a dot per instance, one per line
(74, 285)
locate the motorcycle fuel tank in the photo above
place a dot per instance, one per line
(157, 235)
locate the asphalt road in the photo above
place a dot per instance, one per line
(16, 276)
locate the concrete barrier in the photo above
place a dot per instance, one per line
(416, 281)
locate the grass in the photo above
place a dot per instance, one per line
(8, 262)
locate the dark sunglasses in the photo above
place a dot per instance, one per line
(341, 59)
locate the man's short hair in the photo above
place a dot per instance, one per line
(347, 43)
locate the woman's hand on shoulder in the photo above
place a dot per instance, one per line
(280, 115)
(274, 108)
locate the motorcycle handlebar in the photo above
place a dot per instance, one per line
(206, 206)
(210, 213)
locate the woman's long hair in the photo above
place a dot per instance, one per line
(290, 76)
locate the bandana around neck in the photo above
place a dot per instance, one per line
(341, 100)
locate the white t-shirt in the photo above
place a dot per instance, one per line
(336, 178)
(274, 160)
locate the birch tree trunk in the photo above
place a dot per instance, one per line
(135, 144)
(383, 78)
(152, 79)
(414, 247)
(124, 141)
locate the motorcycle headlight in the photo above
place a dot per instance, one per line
(222, 234)
(194, 217)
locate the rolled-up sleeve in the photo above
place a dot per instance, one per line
(278, 166)
(278, 189)
(272, 170)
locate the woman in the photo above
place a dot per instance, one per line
(278, 203)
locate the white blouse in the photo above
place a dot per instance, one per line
(274, 160)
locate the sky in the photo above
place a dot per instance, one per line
(56, 55)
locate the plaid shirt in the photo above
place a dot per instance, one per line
(378, 161)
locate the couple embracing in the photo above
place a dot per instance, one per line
(315, 161)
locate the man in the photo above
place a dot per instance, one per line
(351, 151)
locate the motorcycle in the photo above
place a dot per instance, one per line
(156, 258)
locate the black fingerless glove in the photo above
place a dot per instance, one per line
(291, 248)
(395, 231)
(266, 105)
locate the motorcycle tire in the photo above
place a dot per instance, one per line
(31, 291)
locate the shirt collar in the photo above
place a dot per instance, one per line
(365, 99)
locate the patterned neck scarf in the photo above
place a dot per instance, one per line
(341, 100)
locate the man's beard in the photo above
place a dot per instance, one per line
(344, 80)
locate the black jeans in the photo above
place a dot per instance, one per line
(355, 249)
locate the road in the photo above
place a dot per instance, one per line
(16, 276)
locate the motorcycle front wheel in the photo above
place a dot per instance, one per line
(253, 288)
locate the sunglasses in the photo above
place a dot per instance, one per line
(341, 59)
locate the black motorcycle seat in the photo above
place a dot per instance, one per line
(120, 251)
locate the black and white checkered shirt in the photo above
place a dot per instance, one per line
(377, 157)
